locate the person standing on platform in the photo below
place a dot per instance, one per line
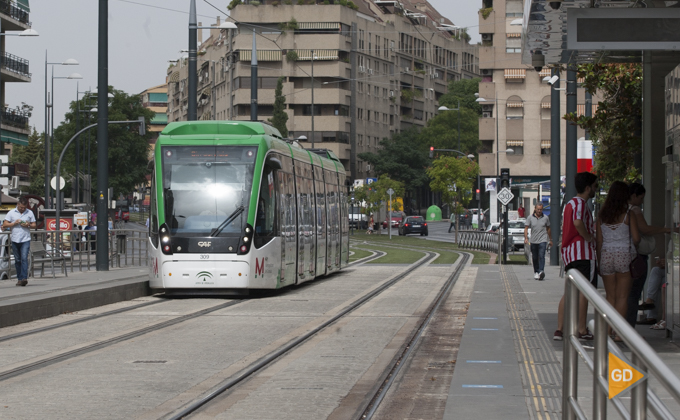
(540, 236)
(637, 194)
(578, 247)
(20, 220)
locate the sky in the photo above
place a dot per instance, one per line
(143, 36)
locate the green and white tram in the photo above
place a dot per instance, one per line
(234, 207)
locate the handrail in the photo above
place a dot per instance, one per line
(479, 240)
(643, 355)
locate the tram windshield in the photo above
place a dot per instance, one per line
(203, 186)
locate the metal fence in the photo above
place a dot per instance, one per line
(127, 248)
(481, 241)
(643, 357)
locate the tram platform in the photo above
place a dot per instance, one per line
(46, 296)
(508, 365)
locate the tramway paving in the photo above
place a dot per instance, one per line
(157, 372)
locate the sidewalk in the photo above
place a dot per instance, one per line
(509, 310)
(45, 297)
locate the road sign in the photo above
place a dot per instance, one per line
(390, 192)
(505, 196)
(371, 180)
(53, 183)
(622, 376)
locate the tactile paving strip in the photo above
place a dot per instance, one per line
(540, 368)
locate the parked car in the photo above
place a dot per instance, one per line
(465, 218)
(395, 218)
(413, 224)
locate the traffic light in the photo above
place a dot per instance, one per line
(505, 177)
(431, 152)
(477, 193)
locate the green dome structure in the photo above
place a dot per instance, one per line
(434, 214)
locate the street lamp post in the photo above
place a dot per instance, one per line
(443, 108)
(49, 101)
(71, 76)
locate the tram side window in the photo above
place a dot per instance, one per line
(153, 207)
(266, 208)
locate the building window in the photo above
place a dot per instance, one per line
(514, 9)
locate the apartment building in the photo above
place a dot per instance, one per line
(14, 118)
(516, 110)
(156, 99)
(371, 69)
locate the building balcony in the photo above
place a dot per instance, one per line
(488, 25)
(322, 124)
(487, 164)
(14, 69)
(13, 18)
(487, 90)
(16, 120)
(487, 128)
(487, 54)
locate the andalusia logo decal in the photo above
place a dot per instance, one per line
(204, 276)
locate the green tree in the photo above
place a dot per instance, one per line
(403, 158)
(32, 155)
(441, 131)
(615, 128)
(454, 178)
(128, 151)
(375, 194)
(280, 118)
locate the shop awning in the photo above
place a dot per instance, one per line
(516, 104)
(319, 25)
(514, 143)
(515, 73)
(545, 105)
(262, 55)
(544, 72)
(306, 55)
(545, 144)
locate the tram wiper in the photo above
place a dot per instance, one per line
(228, 220)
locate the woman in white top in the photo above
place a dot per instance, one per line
(617, 237)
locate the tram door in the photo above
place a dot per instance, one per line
(333, 223)
(320, 227)
(344, 221)
(305, 191)
(287, 221)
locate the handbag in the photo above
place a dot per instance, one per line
(637, 267)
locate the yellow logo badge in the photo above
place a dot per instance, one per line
(621, 376)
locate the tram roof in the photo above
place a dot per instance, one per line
(243, 128)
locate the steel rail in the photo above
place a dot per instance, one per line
(39, 364)
(77, 321)
(265, 361)
(394, 370)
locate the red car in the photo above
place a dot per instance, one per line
(395, 217)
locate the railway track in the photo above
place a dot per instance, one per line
(390, 373)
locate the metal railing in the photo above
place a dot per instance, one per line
(127, 248)
(9, 9)
(643, 356)
(482, 241)
(15, 64)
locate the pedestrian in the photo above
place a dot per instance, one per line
(615, 232)
(92, 228)
(521, 211)
(636, 197)
(540, 236)
(578, 247)
(20, 220)
(147, 222)
(452, 221)
(480, 221)
(370, 226)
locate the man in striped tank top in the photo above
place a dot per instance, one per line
(578, 247)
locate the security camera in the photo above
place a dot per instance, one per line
(537, 61)
(553, 80)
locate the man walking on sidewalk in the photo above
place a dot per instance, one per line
(578, 247)
(20, 220)
(540, 235)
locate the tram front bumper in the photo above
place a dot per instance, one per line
(205, 274)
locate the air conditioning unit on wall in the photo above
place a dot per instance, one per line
(362, 69)
(487, 37)
(487, 72)
(486, 114)
(487, 108)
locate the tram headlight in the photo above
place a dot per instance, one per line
(246, 239)
(166, 239)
